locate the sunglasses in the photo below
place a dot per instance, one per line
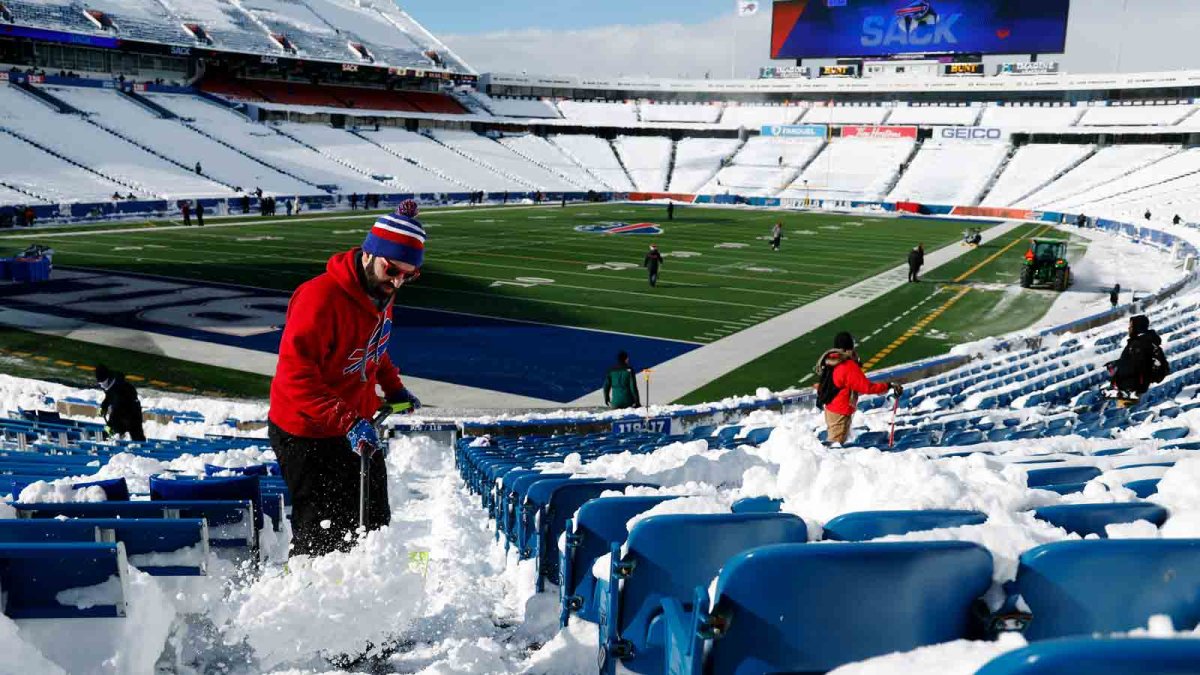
(393, 271)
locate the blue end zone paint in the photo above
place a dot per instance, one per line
(555, 363)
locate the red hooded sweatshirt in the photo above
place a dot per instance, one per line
(850, 380)
(333, 353)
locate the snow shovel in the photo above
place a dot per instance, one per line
(892, 433)
(364, 485)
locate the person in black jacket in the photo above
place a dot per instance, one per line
(916, 259)
(652, 262)
(1114, 296)
(121, 409)
(1142, 362)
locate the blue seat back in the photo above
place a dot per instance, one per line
(215, 488)
(758, 436)
(599, 524)
(1061, 474)
(141, 537)
(865, 525)
(229, 522)
(672, 554)
(1090, 656)
(1145, 488)
(1085, 519)
(115, 489)
(564, 502)
(252, 470)
(1109, 585)
(813, 607)
(33, 575)
(757, 505)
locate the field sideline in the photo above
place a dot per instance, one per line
(533, 265)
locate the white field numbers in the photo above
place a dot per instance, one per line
(614, 266)
(523, 282)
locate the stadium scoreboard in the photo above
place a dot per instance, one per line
(830, 29)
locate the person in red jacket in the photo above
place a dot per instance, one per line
(332, 355)
(848, 383)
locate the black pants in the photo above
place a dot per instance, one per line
(653, 277)
(323, 476)
(775, 243)
(912, 273)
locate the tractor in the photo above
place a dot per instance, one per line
(1046, 264)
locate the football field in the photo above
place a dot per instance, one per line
(528, 300)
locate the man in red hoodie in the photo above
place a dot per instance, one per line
(332, 355)
(848, 383)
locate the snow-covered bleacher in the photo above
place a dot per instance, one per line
(544, 153)
(598, 156)
(705, 113)
(647, 159)
(51, 179)
(949, 173)
(697, 161)
(1135, 115)
(498, 156)
(935, 114)
(764, 166)
(599, 113)
(1032, 167)
(846, 114)
(1029, 116)
(442, 160)
(1167, 187)
(1107, 164)
(505, 106)
(850, 169)
(756, 116)
(346, 147)
(264, 143)
(173, 140)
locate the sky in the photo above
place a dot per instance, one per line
(692, 38)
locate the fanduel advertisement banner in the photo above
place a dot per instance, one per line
(796, 130)
(804, 29)
(1028, 68)
(879, 132)
(970, 134)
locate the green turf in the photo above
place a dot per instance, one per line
(984, 311)
(531, 264)
(720, 275)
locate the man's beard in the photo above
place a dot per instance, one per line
(378, 288)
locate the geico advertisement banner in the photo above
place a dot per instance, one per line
(870, 131)
(796, 130)
(971, 134)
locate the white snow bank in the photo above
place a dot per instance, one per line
(19, 655)
(60, 492)
(961, 657)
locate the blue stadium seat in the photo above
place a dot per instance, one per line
(1171, 434)
(1085, 519)
(1090, 656)
(598, 525)
(210, 488)
(533, 510)
(33, 575)
(1109, 585)
(793, 608)
(140, 537)
(115, 489)
(866, 525)
(758, 436)
(564, 501)
(1057, 475)
(230, 523)
(1145, 488)
(757, 505)
(667, 557)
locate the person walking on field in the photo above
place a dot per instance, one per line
(121, 408)
(186, 209)
(620, 385)
(916, 260)
(653, 261)
(670, 210)
(840, 381)
(776, 236)
(333, 354)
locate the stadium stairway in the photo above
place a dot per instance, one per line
(338, 159)
(431, 169)
(258, 160)
(480, 162)
(90, 120)
(999, 171)
(46, 97)
(617, 153)
(148, 104)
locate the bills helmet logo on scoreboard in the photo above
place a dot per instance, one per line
(916, 13)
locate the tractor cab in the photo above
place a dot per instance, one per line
(1046, 263)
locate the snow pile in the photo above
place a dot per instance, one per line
(961, 657)
(19, 655)
(59, 492)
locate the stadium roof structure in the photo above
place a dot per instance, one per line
(353, 32)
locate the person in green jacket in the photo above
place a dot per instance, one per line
(620, 385)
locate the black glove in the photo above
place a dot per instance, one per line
(405, 396)
(896, 388)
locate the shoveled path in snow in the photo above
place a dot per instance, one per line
(692, 370)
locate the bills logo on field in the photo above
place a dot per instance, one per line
(621, 228)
